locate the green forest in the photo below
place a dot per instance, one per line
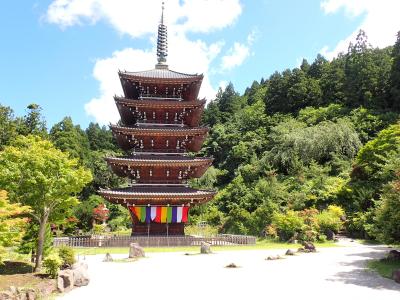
(302, 154)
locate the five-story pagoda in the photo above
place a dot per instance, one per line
(159, 125)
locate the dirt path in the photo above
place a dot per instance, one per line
(332, 273)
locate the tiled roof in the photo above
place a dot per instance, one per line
(158, 158)
(161, 74)
(160, 129)
(154, 190)
(159, 103)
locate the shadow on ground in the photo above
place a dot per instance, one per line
(360, 275)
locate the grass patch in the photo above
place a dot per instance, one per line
(384, 267)
(260, 245)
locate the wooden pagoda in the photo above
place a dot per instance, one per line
(159, 126)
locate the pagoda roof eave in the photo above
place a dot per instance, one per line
(160, 130)
(132, 193)
(159, 103)
(175, 161)
(161, 75)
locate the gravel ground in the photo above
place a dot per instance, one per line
(331, 273)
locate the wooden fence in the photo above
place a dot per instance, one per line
(153, 241)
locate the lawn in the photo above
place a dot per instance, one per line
(260, 245)
(384, 267)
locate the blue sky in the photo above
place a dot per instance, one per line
(64, 54)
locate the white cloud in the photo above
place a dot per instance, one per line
(139, 18)
(105, 71)
(381, 21)
(237, 54)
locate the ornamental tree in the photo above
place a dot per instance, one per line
(101, 213)
(37, 174)
(12, 224)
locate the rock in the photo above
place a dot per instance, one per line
(205, 248)
(330, 235)
(396, 275)
(231, 265)
(394, 255)
(81, 275)
(65, 280)
(303, 250)
(309, 246)
(135, 250)
(108, 258)
(273, 257)
(289, 252)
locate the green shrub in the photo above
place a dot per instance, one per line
(67, 255)
(99, 228)
(288, 224)
(330, 219)
(52, 264)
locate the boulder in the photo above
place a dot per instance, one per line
(309, 246)
(81, 275)
(330, 235)
(135, 250)
(30, 294)
(205, 248)
(65, 280)
(231, 265)
(394, 255)
(396, 275)
(289, 252)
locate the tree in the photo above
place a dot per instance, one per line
(37, 174)
(67, 137)
(395, 75)
(100, 138)
(8, 126)
(12, 224)
(33, 122)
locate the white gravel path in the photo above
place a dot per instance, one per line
(332, 273)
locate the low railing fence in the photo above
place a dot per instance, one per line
(153, 241)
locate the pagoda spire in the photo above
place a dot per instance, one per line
(162, 44)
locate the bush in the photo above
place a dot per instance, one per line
(67, 255)
(330, 219)
(288, 224)
(52, 264)
(99, 228)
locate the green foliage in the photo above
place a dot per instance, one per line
(67, 255)
(387, 219)
(29, 241)
(12, 224)
(99, 228)
(52, 264)
(330, 219)
(288, 224)
(37, 174)
(70, 138)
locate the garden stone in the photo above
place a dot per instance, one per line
(309, 246)
(303, 250)
(273, 257)
(394, 255)
(396, 275)
(289, 252)
(135, 250)
(65, 280)
(81, 275)
(231, 265)
(330, 235)
(205, 248)
(6, 295)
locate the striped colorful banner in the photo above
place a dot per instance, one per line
(161, 214)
